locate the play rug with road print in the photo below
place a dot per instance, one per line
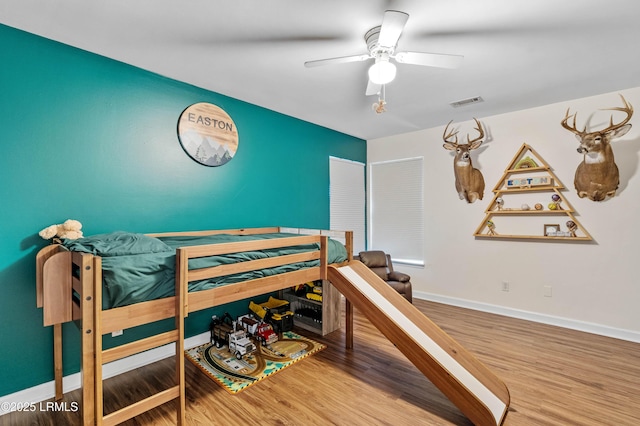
(235, 375)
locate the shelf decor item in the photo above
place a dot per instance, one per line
(551, 230)
(528, 182)
(525, 163)
(555, 202)
(510, 192)
(492, 228)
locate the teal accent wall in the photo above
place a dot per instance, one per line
(88, 138)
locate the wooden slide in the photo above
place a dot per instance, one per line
(468, 383)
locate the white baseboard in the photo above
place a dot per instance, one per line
(72, 382)
(602, 330)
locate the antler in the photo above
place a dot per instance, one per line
(452, 134)
(572, 128)
(479, 129)
(627, 108)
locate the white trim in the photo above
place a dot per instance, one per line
(398, 160)
(72, 382)
(588, 327)
(409, 262)
(344, 160)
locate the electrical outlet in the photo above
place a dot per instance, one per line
(547, 291)
(117, 333)
(505, 285)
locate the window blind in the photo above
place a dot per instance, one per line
(347, 199)
(397, 209)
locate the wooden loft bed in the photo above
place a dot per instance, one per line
(70, 285)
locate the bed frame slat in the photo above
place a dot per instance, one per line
(231, 293)
(145, 312)
(251, 265)
(128, 349)
(244, 246)
(142, 406)
(242, 231)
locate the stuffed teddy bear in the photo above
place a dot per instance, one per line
(71, 229)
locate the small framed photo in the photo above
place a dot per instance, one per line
(551, 230)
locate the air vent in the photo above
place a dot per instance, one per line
(468, 101)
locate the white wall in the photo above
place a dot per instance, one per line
(592, 283)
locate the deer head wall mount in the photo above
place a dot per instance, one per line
(597, 176)
(469, 181)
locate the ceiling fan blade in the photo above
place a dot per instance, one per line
(439, 60)
(393, 23)
(340, 60)
(372, 88)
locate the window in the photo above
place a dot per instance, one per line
(397, 209)
(347, 199)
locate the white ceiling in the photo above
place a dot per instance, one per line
(518, 54)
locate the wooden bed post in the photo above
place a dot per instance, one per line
(181, 309)
(97, 342)
(57, 360)
(348, 318)
(182, 280)
(348, 238)
(87, 329)
(348, 308)
(54, 284)
(324, 252)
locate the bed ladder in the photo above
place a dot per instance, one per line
(176, 336)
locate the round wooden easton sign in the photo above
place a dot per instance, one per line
(208, 134)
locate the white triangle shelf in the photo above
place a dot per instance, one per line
(526, 179)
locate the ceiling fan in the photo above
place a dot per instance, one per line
(381, 44)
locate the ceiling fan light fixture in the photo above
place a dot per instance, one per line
(382, 72)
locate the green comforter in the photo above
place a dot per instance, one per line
(136, 268)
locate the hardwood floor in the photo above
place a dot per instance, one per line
(555, 377)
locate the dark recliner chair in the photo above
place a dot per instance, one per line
(380, 263)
